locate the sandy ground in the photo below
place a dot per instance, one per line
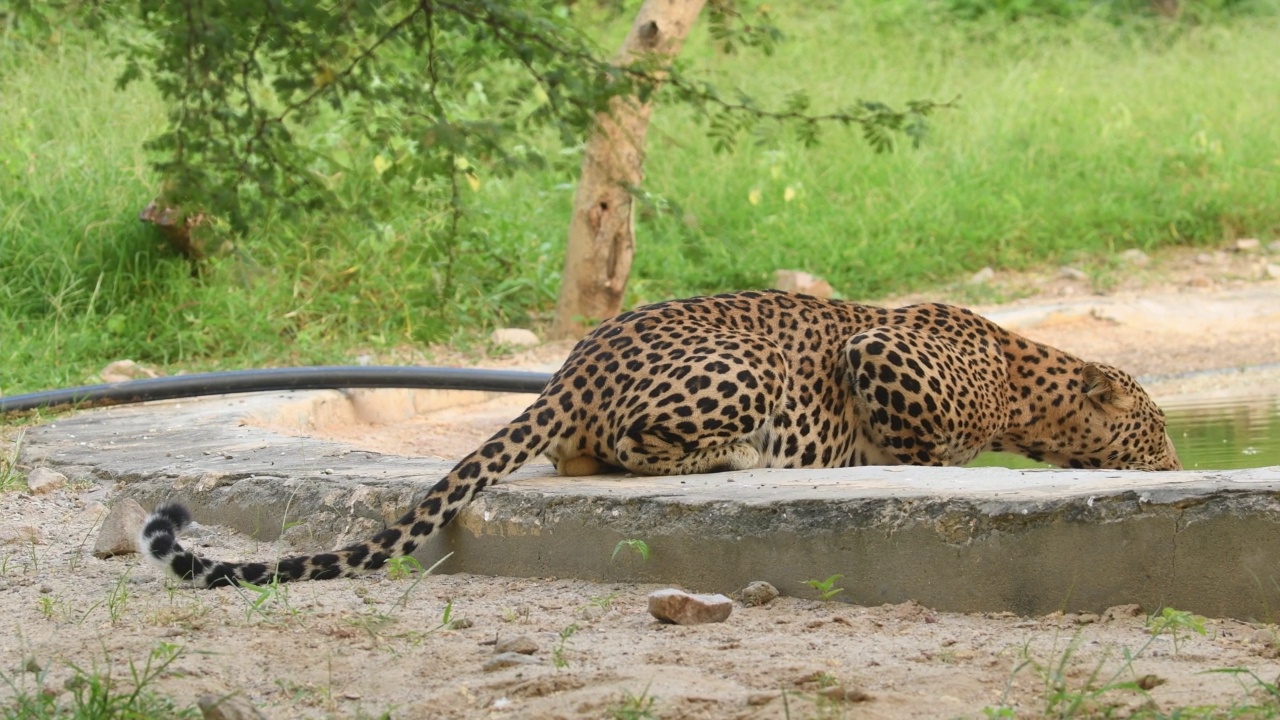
(362, 648)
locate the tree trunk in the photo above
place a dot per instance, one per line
(601, 233)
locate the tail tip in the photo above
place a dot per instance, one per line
(173, 514)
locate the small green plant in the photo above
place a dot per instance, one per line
(633, 707)
(98, 694)
(639, 547)
(1173, 622)
(118, 598)
(422, 575)
(10, 478)
(47, 605)
(559, 652)
(826, 588)
(266, 595)
(604, 602)
(523, 614)
(405, 566)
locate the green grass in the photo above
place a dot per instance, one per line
(1071, 140)
(98, 694)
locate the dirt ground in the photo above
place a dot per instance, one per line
(378, 645)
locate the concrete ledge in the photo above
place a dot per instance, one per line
(981, 539)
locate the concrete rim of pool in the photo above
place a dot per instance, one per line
(957, 539)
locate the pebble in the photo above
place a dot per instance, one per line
(802, 282)
(1273, 271)
(682, 608)
(119, 532)
(521, 644)
(1121, 612)
(510, 659)
(227, 707)
(1071, 273)
(43, 480)
(1247, 245)
(514, 337)
(124, 371)
(982, 277)
(1273, 246)
(1135, 257)
(758, 592)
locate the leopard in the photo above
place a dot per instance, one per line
(763, 379)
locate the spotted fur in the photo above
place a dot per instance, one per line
(767, 379)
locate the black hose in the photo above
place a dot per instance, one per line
(300, 378)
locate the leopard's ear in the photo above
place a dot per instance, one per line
(1103, 389)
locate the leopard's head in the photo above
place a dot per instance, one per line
(1099, 417)
(1109, 421)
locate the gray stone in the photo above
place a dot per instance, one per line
(43, 480)
(119, 533)
(1273, 247)
(522, 644)
(1135, 257)
(124, 371)
(509, 659)
(759, 592)
(982, 277)
(228, 707)
(1071, 273)
(802, 282)
(514, 337)
(682, 608)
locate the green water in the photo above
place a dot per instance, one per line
(1217, 434)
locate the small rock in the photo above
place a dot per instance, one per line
(1204, 259)
(758, 592)
(1247, 245)
(124, 371)
(522, 644)
(1273, 271)
(1121, 612)
(761, 698)
(227, 707)
(119, 533)
(92, 513)
(1273, 247)
(1135, 257)
(1087, 618)
(682, 608)
(461, 623)
(43, 480)
(802, 282)
(1071, 273)
(982, 277)
(510, 659)
(514, 337)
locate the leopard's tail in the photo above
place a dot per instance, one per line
(510, 448)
